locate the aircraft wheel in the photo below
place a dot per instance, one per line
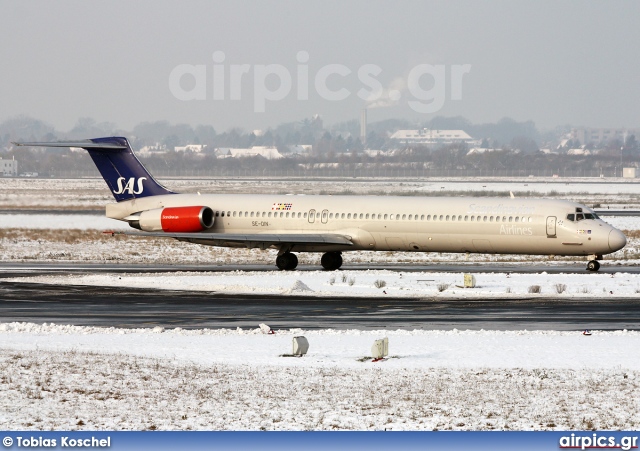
(593, 265)
(287, 261)
(331, 261)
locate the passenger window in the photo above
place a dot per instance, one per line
(360, 215)
(510, 218)
(440, 217)
(404, 217)
(484, 219)
(269, 214)
(367, 217)
(472, 218)
(385, 216)
(287, 214)
(466, 218)
(349, 216)
(447, 217)
(342, 215)
(517, 219)
(428, 217)
(490, 218)
(422, 217)
(304, 215)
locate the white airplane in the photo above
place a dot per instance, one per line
(336, 224)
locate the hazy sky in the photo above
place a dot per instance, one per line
(553, 62)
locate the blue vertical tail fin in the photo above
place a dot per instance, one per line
(126, 176)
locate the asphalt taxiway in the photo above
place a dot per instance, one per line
(129, 307)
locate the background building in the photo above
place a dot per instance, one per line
(8, 168)
(432, 137)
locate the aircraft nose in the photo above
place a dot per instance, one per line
(617, 240)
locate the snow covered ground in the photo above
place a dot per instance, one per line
(84, 378)
(20, 193)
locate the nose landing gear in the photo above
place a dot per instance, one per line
(593, 265)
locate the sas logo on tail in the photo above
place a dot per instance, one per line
(131, 187)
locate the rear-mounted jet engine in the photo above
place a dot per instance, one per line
(173, 219)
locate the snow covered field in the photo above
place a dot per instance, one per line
(78, 194)
(66, 377)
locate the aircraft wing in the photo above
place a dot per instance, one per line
(250, 240)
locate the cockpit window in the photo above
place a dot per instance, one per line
(579, 215)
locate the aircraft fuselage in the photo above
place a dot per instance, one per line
(398, 223)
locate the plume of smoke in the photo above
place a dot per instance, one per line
(390, 96)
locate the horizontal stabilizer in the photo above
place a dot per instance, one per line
(125, 175)
(84, 144)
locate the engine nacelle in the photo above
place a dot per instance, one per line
(173, 219)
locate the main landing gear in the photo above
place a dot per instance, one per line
(331, 261)
(288, 261)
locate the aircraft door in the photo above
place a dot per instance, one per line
(551, 226)
(325, 216)
(312, 216)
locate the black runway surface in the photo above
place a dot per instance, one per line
(127, 307)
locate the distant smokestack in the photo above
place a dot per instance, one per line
(363, 127)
